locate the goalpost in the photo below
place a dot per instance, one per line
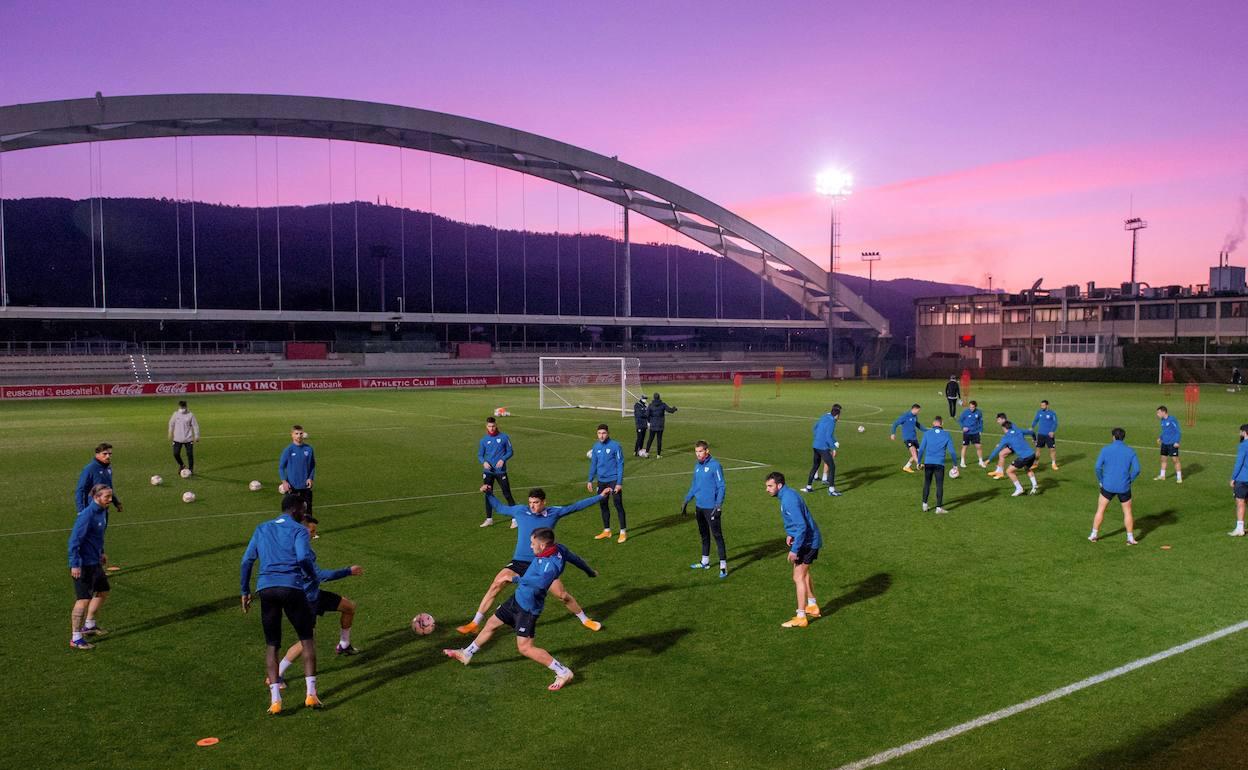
(1216, 368)
(584, 382)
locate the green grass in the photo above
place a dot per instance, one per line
(928, 621)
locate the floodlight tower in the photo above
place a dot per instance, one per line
(834, 184)
(870, 257)
(1135, 225)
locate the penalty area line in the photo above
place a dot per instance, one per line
(1061, 692)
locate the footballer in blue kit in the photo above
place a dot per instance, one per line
(1239, 481)
(1168, 439)
(1024, 456)
(972, 422)
(297, 469)
(804, 540)
(1045, 426)
(522, 610)
(606, 467)
(1117, 466)
(493, 452)
(908, 421)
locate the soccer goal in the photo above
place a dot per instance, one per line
(1217, 368)
(611, 384)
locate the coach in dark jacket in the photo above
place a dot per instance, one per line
(641, 416)
(658, 416)
(953, 393)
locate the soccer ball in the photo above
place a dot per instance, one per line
(284, 487)
(502, 412)
(953, 473)
(862, 429)
(305, 435)
(422, 624)
(185, 473)
(188, 497)
(642, 453)
(255, 486)
(157, 481)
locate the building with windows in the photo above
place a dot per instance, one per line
(1073, 327)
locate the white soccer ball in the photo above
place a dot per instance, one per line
(305, 436)
(188, 497)
(185, 473)
(642, 453)
(954, 473)
(157, 481)
(255, 486)
(862, 429)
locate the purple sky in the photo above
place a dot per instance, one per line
(1005, 138)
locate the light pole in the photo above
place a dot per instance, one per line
(833, 184)
(1135, 225)
(870, 257)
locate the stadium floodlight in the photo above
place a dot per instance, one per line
(834, 183)
(588, 382)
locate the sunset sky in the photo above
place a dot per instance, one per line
(1003, 138)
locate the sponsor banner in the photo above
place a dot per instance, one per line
(95, 390)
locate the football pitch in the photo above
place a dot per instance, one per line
(928, 623)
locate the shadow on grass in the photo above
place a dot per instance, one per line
(654, 525)
(616, 603)
(975, 497)
(374, 677)
(756, 552)
(1191, 469)
(867, 588)
(862, 477)
(587, 654)
(1144, 525)
(181, 616)
(1207, 738)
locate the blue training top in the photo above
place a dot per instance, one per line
(1170, 433)
(94, 472)
(297, 465)
(1015, 439)
(707, 488)
(286, 559)
(798, 523)
(606, 462)
(544, 570)
(1045, 422)
(936, 443)
(86, 539)
(1240, 471)
(972, 420)
(823, 432)
(527, 521)
(495, 448)
(1116, 467)
(910, 426)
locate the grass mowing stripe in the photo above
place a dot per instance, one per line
(1061, 692)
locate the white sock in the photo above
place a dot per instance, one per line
(723, 564)
(275, 693)
(557, 667)
(344, 637)
(801, 613)
(1178, 475)
(1094, 532)
(1018, 486)
(811, 601)
(282, 665)
(825, 478)
(581, 616)
(1033, 482)
(77, 635)
(706, 560)
(1239, 527)
(1162, 475)
(310, 682)
(471, 649)
(90, 624)
(477, 618)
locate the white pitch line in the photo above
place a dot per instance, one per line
(1061, 692)
(753, 467)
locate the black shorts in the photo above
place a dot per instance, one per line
(1024, 463)
(489, 477)
(912, 443)
(1169, 450)
(1241, 490)
(518, 618)
(93, 581)
(518, 566)
(1042, 441)
(806, 555)
(294, 603)
(970, 438)
(1124, 497)
(328, 601)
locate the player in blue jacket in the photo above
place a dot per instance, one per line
(522, 610)
(287, 572)
(530, 518)
(1024, 456)
(804, 540)
(707, 493)
(606, 466)
(1168, 440)
(972, 422)
(823, 449)
(1116, 468)
(1045, 426)
(87, 562)
(935, 445)
(98, 471)
(493, 452)
(297, 470)
(1239, 481)
(910, 427)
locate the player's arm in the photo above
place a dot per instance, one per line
(194, 429)
(997, 450)
(619, 465)
(508, 451)
(311, 465)
(720, 487)
(896, 424)
(244, 572)
(82, 492)
(326, 575)
(1135, 466)
(1100, 466)
(558, 512)
(793, 527)
(172, 418)
(1241, 460)
(305, 557)
(283, 465)
(577, 561)
(481, 452)
(81, 524)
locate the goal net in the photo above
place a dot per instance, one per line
(612, 384)
(1215, 368)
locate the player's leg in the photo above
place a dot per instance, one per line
(79, 612)
(271, 623)
(658, 444)
(1012, 473)
(528, 649)
(506, 486)
(1240, 504)
(560, 592)
(605, 510)
(618, 499)
(715, 520)
(815, 462)
(704, 533)
(927, 484)
(940, 488)
(979, 450)
(801, 582)
(487, 478)
(650, 440)
(829, 459)
(962, 460)
(190, 455)
(1101, 502)
(503, 578)
(177, 454)
(301, 616)
(1128, 520)
(346, 618)
(641, 440)
(1178, 469)
(1031, 476)
(99, 594)
(1053, 452)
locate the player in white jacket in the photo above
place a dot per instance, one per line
(184, 432)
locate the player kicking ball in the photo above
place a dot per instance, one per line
(522, 610)
(1116, 467)
(1024, 456)
(536, 515)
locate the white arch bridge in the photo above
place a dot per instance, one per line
(45, 124)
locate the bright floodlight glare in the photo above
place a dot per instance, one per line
(834, 182)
